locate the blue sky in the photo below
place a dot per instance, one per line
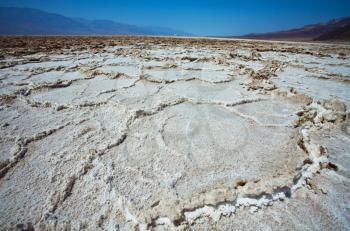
(200, 17)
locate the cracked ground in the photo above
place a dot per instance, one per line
(146, 133)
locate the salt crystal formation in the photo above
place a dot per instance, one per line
(143, 133)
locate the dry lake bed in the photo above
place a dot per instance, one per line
(147, 133)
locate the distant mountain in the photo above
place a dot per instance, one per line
(336, 29)
(26, 21)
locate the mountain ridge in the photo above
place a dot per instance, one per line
(28, 21)
(335, 29)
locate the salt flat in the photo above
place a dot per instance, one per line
(147, 133)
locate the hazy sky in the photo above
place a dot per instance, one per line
(200, 17)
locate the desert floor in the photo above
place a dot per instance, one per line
(147, 133)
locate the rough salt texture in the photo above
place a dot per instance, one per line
(141, 133)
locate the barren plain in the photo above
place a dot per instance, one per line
(157, 133)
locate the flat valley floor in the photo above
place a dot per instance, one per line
(159, 133)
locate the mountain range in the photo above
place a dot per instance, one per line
(336, 29)
(26, 21)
